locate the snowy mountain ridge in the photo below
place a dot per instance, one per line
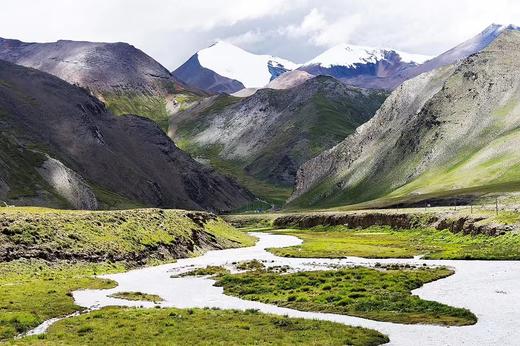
(349, 55)
(250, 69)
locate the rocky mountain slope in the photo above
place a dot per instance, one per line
(124, 77)
(225, 68)
(365, 67)
(447, 132)
(61, 147)
(262, 139)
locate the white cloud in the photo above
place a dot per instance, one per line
(171, 30)
(249, 37)
(311, 24)
(320, 31)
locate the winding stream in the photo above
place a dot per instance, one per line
(490, 289)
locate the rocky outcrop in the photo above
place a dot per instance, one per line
(451, 129)
(68, 184)
(126, 158)
(465, 224)
(199, 241)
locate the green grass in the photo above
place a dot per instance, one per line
(269, 192)
(149, 106)
(153, 107)
(209, 270)
(221, 103)
(494, 163)
(251, 265)
(199, 327)
(135, 235)
(138, 296)
(109, 200)
(310, 201)
(32, 291)
(383, 242)
(251, 221)
(383, 295)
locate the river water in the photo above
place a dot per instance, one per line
(490, 289)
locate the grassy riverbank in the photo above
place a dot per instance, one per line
(383, 295)
(383, 242)
(32, 291)
(138, 235)
(199, 327)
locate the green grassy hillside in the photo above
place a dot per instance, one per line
(155, 107)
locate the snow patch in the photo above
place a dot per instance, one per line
(235, 63)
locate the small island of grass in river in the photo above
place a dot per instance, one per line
(378, 294)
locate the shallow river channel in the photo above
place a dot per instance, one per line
(490, 289)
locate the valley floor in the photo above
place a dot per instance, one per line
(252, 284)
(486, 288)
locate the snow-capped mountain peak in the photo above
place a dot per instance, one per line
(349, 55)
(252, 70)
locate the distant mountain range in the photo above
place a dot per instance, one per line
(365, 67)
(226, 68)
(446, 118)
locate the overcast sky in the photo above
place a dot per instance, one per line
(172, 30)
